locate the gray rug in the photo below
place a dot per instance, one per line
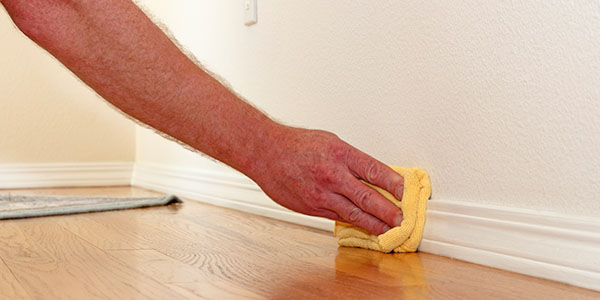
(21, 206)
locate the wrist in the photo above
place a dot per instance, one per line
(266, 147)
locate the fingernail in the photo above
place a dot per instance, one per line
(400, 192)
(386, 228)
(398, 220)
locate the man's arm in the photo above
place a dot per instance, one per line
(114, 48)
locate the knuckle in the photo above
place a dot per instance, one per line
(354, 215)
(328, 175)
(363, 197)
(317, 199)
(339, 151)
(324, 133)
(372, 172)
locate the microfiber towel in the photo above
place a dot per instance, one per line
(403, 238)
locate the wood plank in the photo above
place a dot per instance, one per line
(205, 290)
(221, 257)
(435, 277)
(202, 251)
(182, 277)
(10, 288)
(105, 235)
(471, 280)
(52, 263)
(258, 265)
(226, 250)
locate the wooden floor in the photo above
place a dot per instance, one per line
(198, 251)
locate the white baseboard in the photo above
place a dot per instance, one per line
(552, 246)
(556, 247)
(547, 245)
(232, 190)
(65, 174)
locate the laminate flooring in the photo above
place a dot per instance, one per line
(200, 251)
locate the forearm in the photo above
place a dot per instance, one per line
(115, 49)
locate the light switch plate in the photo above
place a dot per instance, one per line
(250, 14)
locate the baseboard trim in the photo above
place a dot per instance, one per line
(231, 189)
(65, 174)
(551, 246)
(546, 245)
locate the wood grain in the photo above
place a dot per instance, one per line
(10, 288)
(52, 263)
(182, 277)
(198, 251)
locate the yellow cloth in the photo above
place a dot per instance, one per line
(403, 238)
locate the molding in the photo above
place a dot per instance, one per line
(547, 245)
(551, 246)
(65, 174)
(227, 189)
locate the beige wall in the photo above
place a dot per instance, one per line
(498, 100)
(48, 115)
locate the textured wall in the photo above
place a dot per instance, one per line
(498, 100)
(48, 115)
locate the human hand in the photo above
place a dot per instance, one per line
(316, 173)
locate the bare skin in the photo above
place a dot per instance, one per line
(113, 47)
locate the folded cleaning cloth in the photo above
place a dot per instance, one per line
(403, 238)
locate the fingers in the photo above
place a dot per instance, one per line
(372, 202)
(348, 212)
(372, 171)
(326, 213)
